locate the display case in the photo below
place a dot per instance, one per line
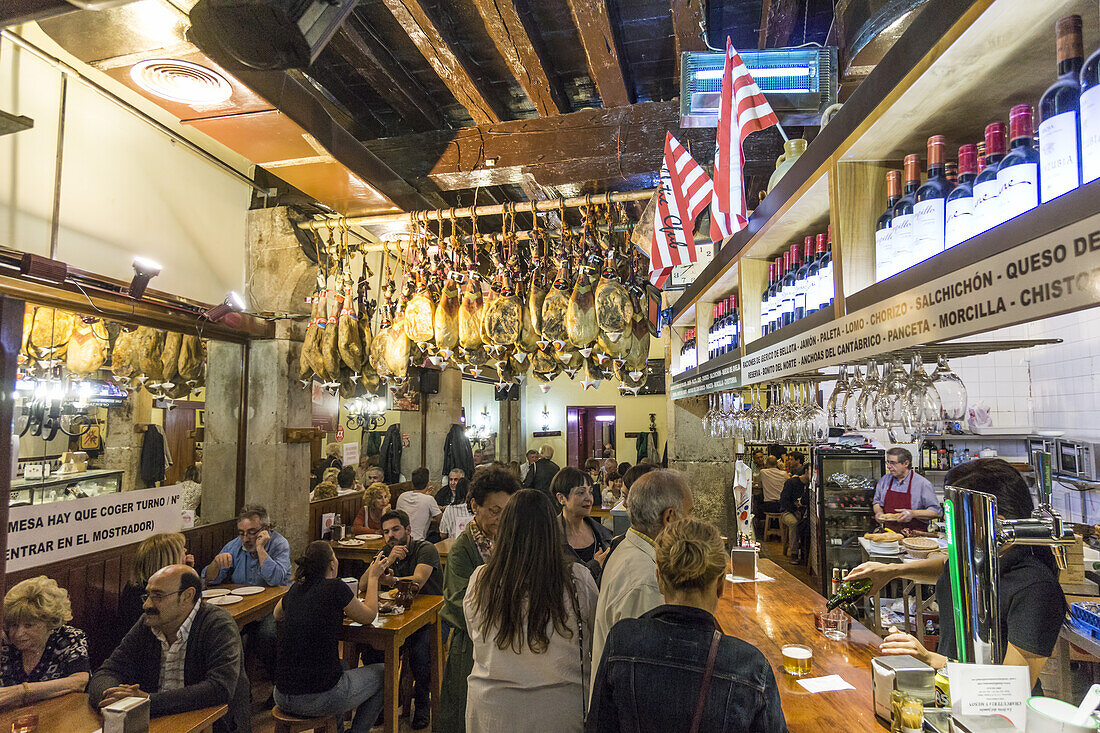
(59, 487)
(842, 490)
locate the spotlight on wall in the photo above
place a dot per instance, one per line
(144, 271)
(233, 303)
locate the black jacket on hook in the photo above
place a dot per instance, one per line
(390, 462)
(457, 452)
(152, 465)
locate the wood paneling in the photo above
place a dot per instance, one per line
(753, 281)
(858, 198)
(346, 506)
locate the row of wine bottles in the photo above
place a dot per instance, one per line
(800, 282)
(1000, 179)
(724, 334)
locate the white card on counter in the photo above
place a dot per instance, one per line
(990, 689)
(760, 578)
(828, 683)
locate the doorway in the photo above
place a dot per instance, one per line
(588, 431)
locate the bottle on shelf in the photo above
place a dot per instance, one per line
(927, 451)
(987, 189)
(951, 172)
(825, 271)
(766, 302)
(687, 351)
(790, 284)
(883, 245)
(777, 297)
(1090, 118)
(1059, 139)
(903, 237)
(959, 223)
(930, 204)
(713, 330)
(733, 329)
(1018, 172)
(802, 305)
(849, 591)
(835, 585)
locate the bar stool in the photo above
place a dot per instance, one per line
(287, 723)
(773, 527)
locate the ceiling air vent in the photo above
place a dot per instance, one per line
(181, 81)
(800, 83)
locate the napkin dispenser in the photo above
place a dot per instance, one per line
(743, 562)
(128, 715)
(353, 584)
(902, 672)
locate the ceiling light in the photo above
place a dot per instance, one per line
(233, 303)
(144, 271)
(761, 73)
(181, 81)
(605, 418)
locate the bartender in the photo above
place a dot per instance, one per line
(904, 493)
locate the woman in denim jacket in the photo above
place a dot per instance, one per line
(651, 676)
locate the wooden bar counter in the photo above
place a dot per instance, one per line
(773, 613)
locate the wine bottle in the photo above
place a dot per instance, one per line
(734, 326)
(777, 310)
(790, 286)
(930, 204)
(903, 221)
(883, 240)
(951, 172)
(1090, 118)
(959, 224)
(808, 273)
(849, 591)
(825, 247)
(1018, 173)
(1059, 139)
(813, 302)
(802, 280)
(987, 189)
(765, 302)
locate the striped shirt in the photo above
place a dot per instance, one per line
(172, 656)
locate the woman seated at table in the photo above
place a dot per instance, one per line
(310, 680)
(41, 656)
(376, 502)
(593, 467)
(327, 489)
(586, 540)
(653, 668)
(155, 552)
(1032, 604)
(529, 612)
(457, 514)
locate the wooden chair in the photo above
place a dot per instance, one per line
(287, 723)
(773, 527)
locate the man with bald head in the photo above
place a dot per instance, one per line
(183, 654)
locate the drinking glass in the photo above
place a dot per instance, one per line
(834, 624)
(923, 407)
(798, 659)
(744, 427)
(865, 404)
(708, 417)
(951, 389)
(835, 408)
(851, 400)
(816, 418)
(756, 415)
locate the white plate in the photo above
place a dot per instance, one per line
(369, 537)
(214, 592)
(352, 543)
(248, 590)
(224, 600)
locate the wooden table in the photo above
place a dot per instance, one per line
(72, 714)
(388, 638)
(601, 512)
(781, 611)
(254, 607)
(367, 551)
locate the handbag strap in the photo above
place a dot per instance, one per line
(704, 689)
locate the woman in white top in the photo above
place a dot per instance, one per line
(457, 514)
(532, 659)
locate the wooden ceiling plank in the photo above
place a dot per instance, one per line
(513, 40)
(445, 57)
(687, 26)
(598, 39)
(777, 21)
(390, 80)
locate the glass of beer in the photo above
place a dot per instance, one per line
(797, 659)
(27, 723)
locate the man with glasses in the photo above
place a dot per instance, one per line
(903, 498)
(257, 556)
(186, 655)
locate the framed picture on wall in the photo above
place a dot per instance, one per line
(325, 409)
(407, 399)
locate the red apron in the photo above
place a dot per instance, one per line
(895, 501)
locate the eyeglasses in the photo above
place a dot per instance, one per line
(157, 596)
(249, 533)
(894, 463)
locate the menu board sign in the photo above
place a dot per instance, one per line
(720, 379)
(1052, 274)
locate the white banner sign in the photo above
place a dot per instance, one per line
(61, 530)
(1055, 273)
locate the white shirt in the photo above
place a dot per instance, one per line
(421, 508)
(455, 518)
(173, 656)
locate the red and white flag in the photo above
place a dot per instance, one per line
(740, 95)
(684, 192)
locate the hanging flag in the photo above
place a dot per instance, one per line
(684, 192)
(728, 210)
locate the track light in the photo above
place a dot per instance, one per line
(233, 303)
(144, 271)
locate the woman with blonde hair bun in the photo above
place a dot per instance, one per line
(678, 652)
(155, 552)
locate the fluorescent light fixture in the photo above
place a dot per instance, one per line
(605, 418)
(181, 81)
(232, 303)
(761, 73)
(144, 271)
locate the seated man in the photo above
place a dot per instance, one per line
(258, 556)
(415, 560)
(185, 655)
(420, 505)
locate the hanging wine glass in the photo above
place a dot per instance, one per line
(851, 400)
(817, 420)
(771, 417)
(835, 408)
(951, 389)
(756, 415)
(865, 404)
(891, 404)
(788, 415)
(744, 420)
(923, 407)
(708, 417)
(726, 415)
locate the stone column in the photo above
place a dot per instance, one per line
(510, 432)
(438, 412)
(224, 375)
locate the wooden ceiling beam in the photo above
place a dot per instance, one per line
(370, 59)
(513, 40)
(777, 20)
(598, 40)
(687, 26)
(446, 58)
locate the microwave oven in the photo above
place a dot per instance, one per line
(1078, 459)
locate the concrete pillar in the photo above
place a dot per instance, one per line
(224, 375)
(428, 428)
(510, 444)
(122, 449)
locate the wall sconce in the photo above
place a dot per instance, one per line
(545, 419)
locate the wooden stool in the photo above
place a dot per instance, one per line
(773, 526)
(287, 723)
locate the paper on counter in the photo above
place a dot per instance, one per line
(828, 683)
(760, 578)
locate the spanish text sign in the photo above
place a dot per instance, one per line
(45, 533)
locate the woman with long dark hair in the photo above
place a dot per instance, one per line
(1032, 604)
(586, 540)
(529, 613)
(457, 514)
(310, 680)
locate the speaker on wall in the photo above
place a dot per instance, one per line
(429, 381)
(510, 393)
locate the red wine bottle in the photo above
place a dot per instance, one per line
(930, 205)
(809, 304)
(733, 328)
(777, 302)
(790, 286)
(959, 225)
(1018, 173)
(825, 247)
(987, 189)
(1090, 118)
(884, 250)
(766, 302)
(904, 221)
(1059, 139)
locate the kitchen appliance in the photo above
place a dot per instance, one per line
(1077, 459)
